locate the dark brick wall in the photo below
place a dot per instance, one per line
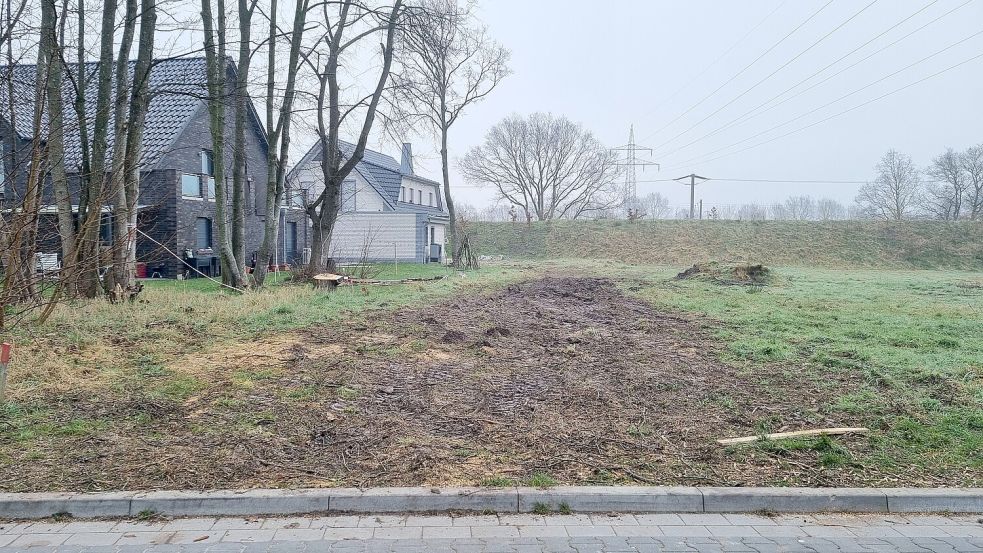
(166, 216)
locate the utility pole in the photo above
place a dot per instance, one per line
(692, 191)
(631, 162)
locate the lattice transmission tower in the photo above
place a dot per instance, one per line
(631, 161)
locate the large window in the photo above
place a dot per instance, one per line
(203, 233)
(419, 197)
(431, 200)
(402, 193)
(191, 185)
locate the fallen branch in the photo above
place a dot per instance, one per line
(796, 434)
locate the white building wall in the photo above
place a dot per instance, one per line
(382, 236)
(365, 196)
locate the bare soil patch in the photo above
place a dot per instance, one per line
(565, 376)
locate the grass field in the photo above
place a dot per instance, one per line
(835, 244)
(192, 387)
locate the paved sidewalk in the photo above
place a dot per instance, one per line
(516, 533)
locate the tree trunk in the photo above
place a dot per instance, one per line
(89, 248)
(50, 55)
(118, 275)
(217, 90)
(445, 168)
(239, 145)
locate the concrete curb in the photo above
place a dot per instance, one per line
(642, 499)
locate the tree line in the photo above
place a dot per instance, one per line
(334, 68)
(949, 188)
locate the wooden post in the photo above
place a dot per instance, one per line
(4, 360)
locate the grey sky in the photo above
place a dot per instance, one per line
(609, 65)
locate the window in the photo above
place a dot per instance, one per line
(211, 188)
(203, 233)
(431, 200)
(402, 193)
(419, 197)
(290, 241)
(191, 185)
(105, 230)
(297, 196)
(207, 163)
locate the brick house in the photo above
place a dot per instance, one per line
(177, 192)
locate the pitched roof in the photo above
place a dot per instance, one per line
(381, 171)
(177, 87)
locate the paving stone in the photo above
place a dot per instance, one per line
(431, 532)
(38, 540)
(543, 531)
(732, 531)
(340, 521)
(92, 538)
(589, 530)
(292, 522)
(638, 530)
(397, 532)
(347, 533)
(613, 520)
(828, 531)
(703, 519)
(237, 523)
(659, 519)
(381, 521)
(690, 530)
(483, 520)
(196, 536)
(257, 535)
(298, 534)
(920, 531)
(495, 531)
(749, 520)
(522, 520)
(776, 531)
(428, 521)
(189, 524)
(143, 538)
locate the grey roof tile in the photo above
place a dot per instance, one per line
(177, 88)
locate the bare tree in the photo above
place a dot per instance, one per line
(896, 191)
(799, 208)
(654, 206)
(448, 62)
(752, 212)
(233, 268)
(548, 166)
(278, 126)
(971, 162)
(828, 209)
(944, 197)
(346, 24)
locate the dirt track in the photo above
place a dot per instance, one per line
(569, 377)
(565, 376)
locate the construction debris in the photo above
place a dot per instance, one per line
(796, 434)
(332, 280)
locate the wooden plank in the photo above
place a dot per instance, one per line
(796, 434)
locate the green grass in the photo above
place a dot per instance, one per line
(910, 244)
(914, 339)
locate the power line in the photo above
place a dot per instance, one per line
(779, 181)
(745, 68)
(845, 96)
(745, 115)
(844, 112)
(714, 62)
(772, 74)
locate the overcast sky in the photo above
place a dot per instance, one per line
(609, 65)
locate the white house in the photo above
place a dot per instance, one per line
(388, 212)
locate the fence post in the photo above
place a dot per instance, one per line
(4, 360)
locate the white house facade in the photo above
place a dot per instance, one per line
(388, 212)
